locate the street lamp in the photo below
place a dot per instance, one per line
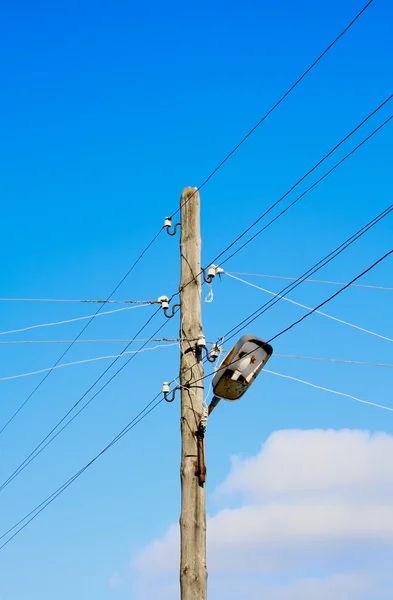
(239, 369)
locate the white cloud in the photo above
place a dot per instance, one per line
(311, 515)
(338, 587)
(319, 462)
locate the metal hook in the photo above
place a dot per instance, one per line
(207, 278)
(172, 314)
(165, 391)
(212, 271)
(164, 301)
(214, 352)
(168, 224)
(211, 359)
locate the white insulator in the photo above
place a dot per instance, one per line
(164, 300)
(168, 222)
(201, 342)
(212, 271)
(215, 351)
(165, 387)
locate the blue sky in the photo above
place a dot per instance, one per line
(108, 110)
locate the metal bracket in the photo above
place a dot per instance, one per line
(165, 391)
(214, 352)
(164, 301)
(215, 400)
(212, 271)
(168, 225)
(201, 466)
(172, 314)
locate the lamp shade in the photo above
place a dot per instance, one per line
(240, 368)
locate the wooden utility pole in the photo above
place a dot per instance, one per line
(193, 572)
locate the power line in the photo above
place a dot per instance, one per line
(323, 262)
(42, 445)
(156, 236)
(109, 341)
(353, 150)
(296, 200)
(312, 311)
(61, 300)
(58, 361)
(335, 360)
(91, 387)
(280, 214)
(316, 267)
(154, 403)
(299, 181)
(87, 360)
(109, 312)
(357, 285)
(277, 104)
(377, 262)
(222, 163)
(33, 514)
(319, 387)
(383, 337)
(251, 131)
(384, 257)
(43, 505)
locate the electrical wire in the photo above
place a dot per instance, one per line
(335, 360)
(47, 440)
(58, 300)
(252, 130)
(120, 341)
(340, 248)
(38, 509)
(312, 311)
(383, 337)
(87, 360)
(58, 361)
(277, 104)
(305, 73)
(151, 406)
(296, 200)
(308, 314)
(319, 387)
(108, 312)
(90, 388)
(357, 285)
(229, 155)
(233, 151)
(53, 496)
(280, 214)
(43, 505)
(33, 514)
(316, 267)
